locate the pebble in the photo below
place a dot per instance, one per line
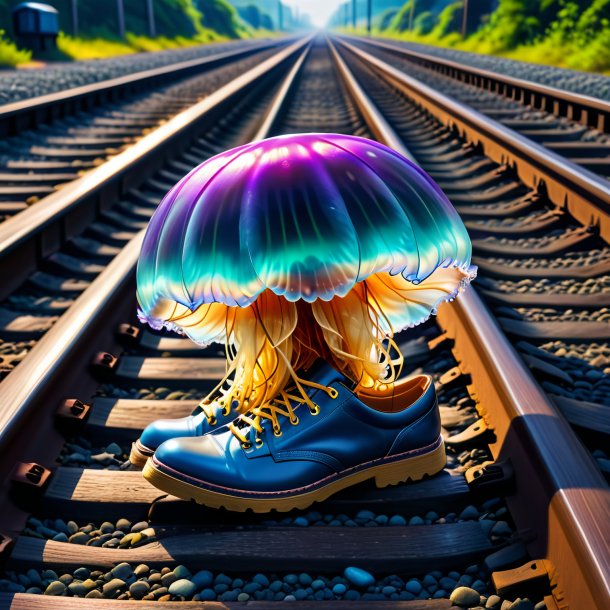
(359, 577)
(183, 587)
(139, 589)
(203, 579)
(79, 538)
(469, 513)
(138, 527)
(464, 597)
(207, 595)
(261, 579)
(521, 604)
(55, 588)
(339, 589)
(493, 602)
(112, 586)
(122, 571)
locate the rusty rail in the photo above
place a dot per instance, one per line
(554, 472)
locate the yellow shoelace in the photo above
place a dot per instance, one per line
(280, 406)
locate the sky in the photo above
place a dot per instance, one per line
(318, 10)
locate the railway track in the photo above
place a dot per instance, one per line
(568, 124)
(86, 387)
(53, 139)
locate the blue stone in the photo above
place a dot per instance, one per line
(397, 520)
(416, 521)
(350, 523)
(429, 580)
(290, 598)
(439, 594)
(352, 595)
(252, 587)
(319, 595)
(301, 522)
(406, 596)
(279, 596)
(335, 523)
(203, 579)
(414, 587)
(447, 583)
(300, 594)
(317, 584)
(381, 519)
(207, 595)
(365, 515)
(223, 579)
(291, 579)
(339, 589)
(276, 586)
(261, 579)
(238, 583)
(305, 579)
(359, 577)
(387, 591)
(229, 596)
(220, 589)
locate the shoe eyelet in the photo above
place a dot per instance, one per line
(246, 445)
(294, 421)
(277, 432)
(225, 412)
(259, 442)
(333, 393)
(212, 421)
(315, 410)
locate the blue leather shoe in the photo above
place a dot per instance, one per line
(293, 452)
(204, 419)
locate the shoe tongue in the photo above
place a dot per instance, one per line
(324, 374)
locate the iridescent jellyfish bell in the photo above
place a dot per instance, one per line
(299, 247)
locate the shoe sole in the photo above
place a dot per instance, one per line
(139, 454)
(391, 472)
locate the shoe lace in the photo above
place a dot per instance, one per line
(206, 406)
(249, 425)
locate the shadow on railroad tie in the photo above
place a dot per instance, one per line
(552, 468)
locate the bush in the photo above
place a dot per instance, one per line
(10, 55)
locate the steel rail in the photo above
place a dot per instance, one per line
(587, 110)
(584, 194)
(41, 229)
(554, 471)
(23, 388)
(29, 113)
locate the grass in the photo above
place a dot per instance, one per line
(102, 48)
(10, 55)
(553, 50)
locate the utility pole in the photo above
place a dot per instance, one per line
(411, 14)
(74, 18)
(121, 17)
(354, 14)
(465, 19)
(150, 13)
(369, 12)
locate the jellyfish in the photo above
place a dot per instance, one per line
(301, 247)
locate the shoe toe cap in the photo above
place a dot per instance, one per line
(162, 430)
(200, 458)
